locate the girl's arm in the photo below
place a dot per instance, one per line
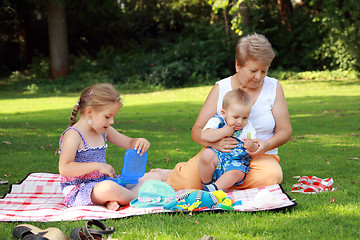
(283, 129)
(69, 168)
(120, 140)
(207, 111)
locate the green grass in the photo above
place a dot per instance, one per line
(325, 116)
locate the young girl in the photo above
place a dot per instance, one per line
(82, 162)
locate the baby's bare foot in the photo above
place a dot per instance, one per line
(112, 205)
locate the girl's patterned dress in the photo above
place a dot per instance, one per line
(77, 190)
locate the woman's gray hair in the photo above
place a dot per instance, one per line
(254, 47)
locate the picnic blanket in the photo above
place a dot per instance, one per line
(39, 198)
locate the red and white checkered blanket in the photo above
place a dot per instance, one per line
(39, 197)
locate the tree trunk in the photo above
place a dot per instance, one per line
(244, 13)
(57, 39)
(285, 10)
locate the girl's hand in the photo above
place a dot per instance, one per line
(225, 144)
(263, 147)
(141, 146)
(107, 169)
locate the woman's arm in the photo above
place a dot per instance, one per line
(207, 111)
(120, 140)
(283, 129)
(69, 168)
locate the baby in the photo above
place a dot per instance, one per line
(222, 170)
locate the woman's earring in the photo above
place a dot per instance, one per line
(89, 121)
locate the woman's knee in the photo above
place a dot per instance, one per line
(270, 172)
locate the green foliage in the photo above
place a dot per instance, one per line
(197, 56)
(200, 55)
(318, 35)
(341, 20)
(338, 75)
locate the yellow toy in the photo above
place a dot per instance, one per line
(224, 201)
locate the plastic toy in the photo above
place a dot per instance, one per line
(199, 199)
(224, 202)
(193, 200)
(133, 168)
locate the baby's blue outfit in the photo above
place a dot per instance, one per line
(237, 159)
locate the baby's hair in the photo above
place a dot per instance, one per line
(236, 96)
(254, 46)
(98, 96)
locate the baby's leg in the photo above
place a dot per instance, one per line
(229, 178)
(111, 194)
(207, 165)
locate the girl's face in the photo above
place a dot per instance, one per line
(236, 115)
(102, 120)
(252, 74)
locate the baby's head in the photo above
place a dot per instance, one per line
(98, 96)
(236, 108)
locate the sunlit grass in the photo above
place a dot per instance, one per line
(325, 117)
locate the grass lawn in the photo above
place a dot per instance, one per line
(325, 116)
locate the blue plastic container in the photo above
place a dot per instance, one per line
(133, 168)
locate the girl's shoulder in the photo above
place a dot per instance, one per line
(72, 134)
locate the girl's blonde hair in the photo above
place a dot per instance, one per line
(236, 96)
(254, 47)
(98, 96)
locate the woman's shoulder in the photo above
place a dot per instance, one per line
(224, 81)
(271, 80)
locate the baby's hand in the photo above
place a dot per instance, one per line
(107, 169)
(250, 144)
(228, 130)
(141, 146)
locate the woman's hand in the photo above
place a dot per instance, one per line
(225, 144)
(141, 146)
(263, 147)
(106, 169)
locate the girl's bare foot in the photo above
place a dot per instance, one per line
(112, 205)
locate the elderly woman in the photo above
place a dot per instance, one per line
(269, 116)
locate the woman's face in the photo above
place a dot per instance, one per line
(252, 74)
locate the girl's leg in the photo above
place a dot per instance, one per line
(161, 173)
(111, 194)
(207, 165)
(152, 175)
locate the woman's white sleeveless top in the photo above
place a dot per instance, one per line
(261, 113)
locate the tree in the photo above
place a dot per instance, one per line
(58, 44)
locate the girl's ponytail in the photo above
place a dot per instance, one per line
(74, 114)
